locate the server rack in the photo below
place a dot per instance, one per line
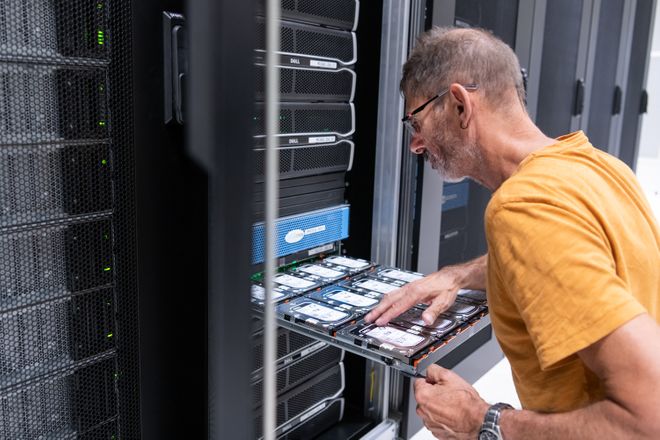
(68, 295)
(591, 73)
(86, 155)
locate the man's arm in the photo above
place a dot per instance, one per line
(627, 361)
(437, 289)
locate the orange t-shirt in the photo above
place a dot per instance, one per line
(573, 254)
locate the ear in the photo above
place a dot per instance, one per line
(462, 105)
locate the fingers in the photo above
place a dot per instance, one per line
(439, 304)
(392, 306)
(432, 312)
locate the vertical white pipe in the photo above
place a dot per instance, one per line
(272, 189)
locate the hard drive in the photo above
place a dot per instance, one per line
(368, 284)
(390, 273)
(320, 272)
(346, 299)
(472, 296)
(412, 319)
(351, 265)
(463, 310)
(325, 318)
(391, 339)
(259, 295)
(296, 283)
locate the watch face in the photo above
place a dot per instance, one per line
(488, 435)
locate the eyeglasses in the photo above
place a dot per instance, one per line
(411, 123)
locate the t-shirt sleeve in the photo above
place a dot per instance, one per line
(558, 268)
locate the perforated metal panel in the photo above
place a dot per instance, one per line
(68, 303)
(301, 370)
(319, 118)
(313, 41)
(310, 84)
(309, 160)
(304, 231)
(337, 13)
(324, 387)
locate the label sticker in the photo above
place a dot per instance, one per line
(352, 299)
(291, 281)
(314, 230)
(321, 271)
(377, 286)
(313, 412)
(294, 236)
(321, 139)
(324, 64)
(318, 250)
(322, 313)
(395, 336)
(400, 275)
(259, 293)
(343, 261)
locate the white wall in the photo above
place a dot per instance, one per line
(649, 143)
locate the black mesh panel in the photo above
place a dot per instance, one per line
(68, 297)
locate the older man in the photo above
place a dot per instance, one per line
(573, 265)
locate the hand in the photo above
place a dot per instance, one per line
(438, 290)
(449, 407)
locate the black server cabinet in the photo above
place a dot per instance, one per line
(68, 291)
(636, 98)
(562, 71)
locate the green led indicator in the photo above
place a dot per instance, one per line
(100, 37)
(107, 269)
(101, 123)
(104, 162)
(99, 6)
(110, 335)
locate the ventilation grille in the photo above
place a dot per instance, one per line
(309, 118)
(313, 41)
(44, 183)
(335, 13)
(310, 85)
(49, 104)
(326, 385)
(46, 264)
(61, 406)
(53, 30)
(304, 369)
(308, 161)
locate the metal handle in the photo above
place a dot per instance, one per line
(616, 105)
(578, 105)
(644, 102)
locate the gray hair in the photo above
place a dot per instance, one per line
(443, 56)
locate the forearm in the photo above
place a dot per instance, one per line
(599, 421)
(470, 275)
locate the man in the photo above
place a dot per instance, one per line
(573, 264)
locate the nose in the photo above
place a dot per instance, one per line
(417, 144)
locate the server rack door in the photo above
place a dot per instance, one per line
(68, 293)
(605, 90)
(634, 105)
(562, 83)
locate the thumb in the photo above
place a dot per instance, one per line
(437, 374)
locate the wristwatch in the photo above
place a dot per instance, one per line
(490, 430)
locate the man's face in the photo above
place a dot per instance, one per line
(448, 148)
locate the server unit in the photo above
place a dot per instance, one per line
(68, 304)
